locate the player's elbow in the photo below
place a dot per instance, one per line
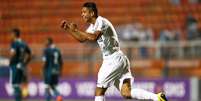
(30, 56)
(94, 38)
(82, 40)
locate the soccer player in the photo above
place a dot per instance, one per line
(115, 69)
(20, 56)
(52, 69)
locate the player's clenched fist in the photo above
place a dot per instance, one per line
(69, 26)
(72, 26)
(64, 25)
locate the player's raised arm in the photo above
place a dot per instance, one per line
(65, 26)
(78, 34)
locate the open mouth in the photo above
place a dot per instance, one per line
(84, 18)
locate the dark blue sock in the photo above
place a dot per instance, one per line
(56, 92)
(17, 93)
(47, 94)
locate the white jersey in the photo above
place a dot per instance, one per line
(108, 41)
(116, 66)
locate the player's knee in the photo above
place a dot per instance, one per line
(126, 95)
(126, 90)
(100, 91)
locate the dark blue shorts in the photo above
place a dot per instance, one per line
(51, 79)
(16, 75)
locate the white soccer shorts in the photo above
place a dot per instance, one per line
(114, 70)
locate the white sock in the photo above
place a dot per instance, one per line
(141, 94)
(99, 98)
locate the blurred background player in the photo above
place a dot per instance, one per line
(52, 69)
(115, 69)
(20, 56)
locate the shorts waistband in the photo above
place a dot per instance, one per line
(112, 55)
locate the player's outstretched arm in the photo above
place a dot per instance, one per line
(78, 34)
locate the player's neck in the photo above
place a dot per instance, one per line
(93, 20)
(52, 46)
(18, 39)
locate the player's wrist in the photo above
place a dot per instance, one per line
(76, 30)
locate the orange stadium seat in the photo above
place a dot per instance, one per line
(39, 19)
(40, 16)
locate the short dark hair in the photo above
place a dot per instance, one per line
(91, 6)
(16, 32)
(50, 40)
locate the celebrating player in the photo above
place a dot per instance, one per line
(20, 56)
(115, 69)
(52, 69)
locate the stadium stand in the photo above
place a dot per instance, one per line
(39, 19)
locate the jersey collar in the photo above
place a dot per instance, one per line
(18, 39)
(52, 46)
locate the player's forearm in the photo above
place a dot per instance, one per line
(77, 36)
(87, 36)
(11, 55)
(27, 59)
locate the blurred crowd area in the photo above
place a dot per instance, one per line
(172, 39)
(137, 31)
(160, 37)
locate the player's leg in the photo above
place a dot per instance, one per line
(100, 93)
(54, 83)
(47, 92)
(24, 85)
(125, 88)
(106, 76)
(55, 91)
(16, 80)
(128, 92)
(110, 71)
(47, 79)
(17, 92)
(101, 86)
(124, 84)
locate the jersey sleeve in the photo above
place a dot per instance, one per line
(44, 57)
(13, 48)
(99, 25)
(89, 29)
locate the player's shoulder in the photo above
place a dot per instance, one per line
(46, 49)
(23, 43)
(101, 18)
(15, 43)
(57, 49)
